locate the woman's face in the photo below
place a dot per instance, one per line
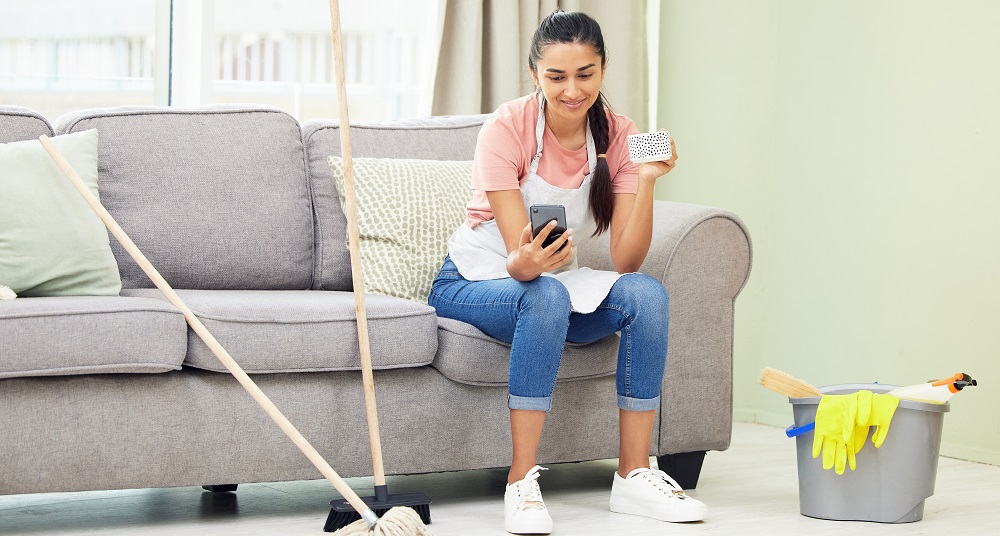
(570, 76)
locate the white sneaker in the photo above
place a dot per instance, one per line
(649, 493)
(524, 511)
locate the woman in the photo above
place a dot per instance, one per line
(561, 146)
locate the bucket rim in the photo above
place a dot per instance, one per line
(846, 388)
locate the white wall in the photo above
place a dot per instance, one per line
(858, 140)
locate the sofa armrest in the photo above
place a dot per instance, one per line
(702, 255)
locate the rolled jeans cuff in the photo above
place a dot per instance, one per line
(628, 403)
(533, 403)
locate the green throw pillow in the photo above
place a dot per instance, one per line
(407, 209)
(51, 242)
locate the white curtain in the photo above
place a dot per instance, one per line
(483, 53)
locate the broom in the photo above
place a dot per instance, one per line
(399, 521)
(343, 512)
(786, 384)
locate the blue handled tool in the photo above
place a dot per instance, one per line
(793, 431)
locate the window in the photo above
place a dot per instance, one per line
(64, 55)
(280, 53)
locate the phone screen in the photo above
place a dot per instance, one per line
(541, 215)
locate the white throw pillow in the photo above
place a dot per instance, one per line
(407, 209)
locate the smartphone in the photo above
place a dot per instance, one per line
(541, 215)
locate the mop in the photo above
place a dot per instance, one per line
(342, 512)
(396, 522)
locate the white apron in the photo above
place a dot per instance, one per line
(480, 254)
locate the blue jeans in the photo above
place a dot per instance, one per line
(535, 318)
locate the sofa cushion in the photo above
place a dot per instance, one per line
(305, 331)
(89, 335)
(51, 242)
(18, 123)
(406, 210)
(436, 138)
(216, 197)
(467, 355)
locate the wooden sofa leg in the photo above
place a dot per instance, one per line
(221, 488)
(684, 467)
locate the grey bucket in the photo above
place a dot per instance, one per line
(890, 483)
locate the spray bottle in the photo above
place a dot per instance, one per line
(935, 392)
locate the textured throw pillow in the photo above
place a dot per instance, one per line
(407, 209)
(51, 242)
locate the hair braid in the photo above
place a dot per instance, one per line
(601, 198)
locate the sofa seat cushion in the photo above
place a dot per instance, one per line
(66, 335)
(467, 355)
(305, 330)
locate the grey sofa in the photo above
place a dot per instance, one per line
(236, 207)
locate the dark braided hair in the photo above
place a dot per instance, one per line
(578, 28)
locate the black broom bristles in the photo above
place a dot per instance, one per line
(343, 514)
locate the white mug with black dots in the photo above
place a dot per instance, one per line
(649, 147)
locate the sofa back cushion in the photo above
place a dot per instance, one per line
(216, 197)
(18, 124)
(436, 138)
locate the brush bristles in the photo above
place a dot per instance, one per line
(786, 384)
(337, 520)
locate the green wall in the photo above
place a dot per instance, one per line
(858, 140)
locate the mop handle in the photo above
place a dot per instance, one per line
(354, 244)
(199, 328)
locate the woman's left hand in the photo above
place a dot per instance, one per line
(650, 171)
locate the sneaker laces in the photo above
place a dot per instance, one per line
(661, 481)
(528, 493)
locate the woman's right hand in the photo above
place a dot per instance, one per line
(530, 259)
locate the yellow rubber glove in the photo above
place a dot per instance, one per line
(873, 410)
(883, 408)
(861, 420)
(836, 419)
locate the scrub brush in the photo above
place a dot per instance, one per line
(786, 384)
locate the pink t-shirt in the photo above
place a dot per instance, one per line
(507, 144)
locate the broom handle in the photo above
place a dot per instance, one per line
(199, 328)
(354, 244)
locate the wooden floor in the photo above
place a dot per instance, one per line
(751, 488)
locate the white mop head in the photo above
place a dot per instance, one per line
(6, 293)
(398, 521)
